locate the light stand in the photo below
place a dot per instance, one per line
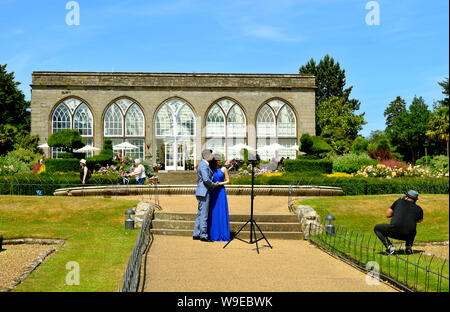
(253, 225)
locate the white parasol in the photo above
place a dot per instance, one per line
(87, 148)
(242, 146)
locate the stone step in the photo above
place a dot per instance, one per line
(242, 235)
(234, 226)
(290, 218)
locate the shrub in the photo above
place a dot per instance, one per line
(360, 145)
(305, 165)
(62, 165)
(24, 155)
(67, 139)
(354, 185)
(314, 145)
(306, 143)
(424, 160)
(11, 165)
(351, 163)
(439, 164)
(29, 183)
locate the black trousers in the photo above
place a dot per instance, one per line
(384, 231)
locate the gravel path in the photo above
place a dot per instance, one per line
(14, 259)
(179, 264)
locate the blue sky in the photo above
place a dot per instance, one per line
(405, 55)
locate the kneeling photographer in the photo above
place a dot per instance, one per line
(404, 214)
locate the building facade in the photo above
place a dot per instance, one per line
(171, 118)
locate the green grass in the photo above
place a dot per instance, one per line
(362, 213)
(95, 238)
(356, 217)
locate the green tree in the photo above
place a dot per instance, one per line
(330, 81)
(438, 127)
(339, 123)
(13, 106)
(409, 128)
(394, 109)
(360, 145)
(67, 139)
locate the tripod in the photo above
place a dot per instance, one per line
(253, 224)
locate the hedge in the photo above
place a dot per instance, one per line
(307, 165)
(354, 186)
(73, 165)
(29, 183)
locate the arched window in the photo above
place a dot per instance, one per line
(276, 123)
(226, 126)
(124, 122)
(175, 135)
(73, 113)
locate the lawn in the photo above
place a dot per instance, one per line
(362, 213)
(356, 215)
(95, 238)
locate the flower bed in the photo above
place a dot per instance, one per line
(383, 171)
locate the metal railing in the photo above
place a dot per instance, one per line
(133, 270)
(410, 272)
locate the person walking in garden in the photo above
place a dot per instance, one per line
(404, 214)
(85, 173)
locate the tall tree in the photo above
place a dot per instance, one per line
(13, 106)
(409, 128)
(395, 108)
(330, 81)
(439, 119)
(339, 123)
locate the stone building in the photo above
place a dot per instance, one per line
(172, 117)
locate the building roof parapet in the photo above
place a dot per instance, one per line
(170, 80)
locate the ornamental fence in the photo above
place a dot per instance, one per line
(132, 274)
(416, 272)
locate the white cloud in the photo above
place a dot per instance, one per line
(270, 33)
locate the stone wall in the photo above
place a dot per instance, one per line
(150, 90)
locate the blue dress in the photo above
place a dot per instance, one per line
(219, 219)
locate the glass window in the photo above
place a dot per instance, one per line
(265, 125)
(137, 153)
(113, 122)
(134, 122)
(276, 123)
(164, 122)
(217, 145)
(73, 114)
(185, 121)
(83, 120)
(236, 124)
(61, 119)
(215, 122)
(286, 122)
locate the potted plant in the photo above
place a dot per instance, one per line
(156, 167)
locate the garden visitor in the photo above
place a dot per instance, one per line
(139, 172)
(85, 173)
(119, 157)
(404, 214)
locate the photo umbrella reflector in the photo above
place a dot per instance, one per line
(253, 225)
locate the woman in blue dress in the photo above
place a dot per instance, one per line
(219, 219)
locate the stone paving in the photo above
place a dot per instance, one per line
(179, 264)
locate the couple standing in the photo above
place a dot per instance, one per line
(212, 223)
